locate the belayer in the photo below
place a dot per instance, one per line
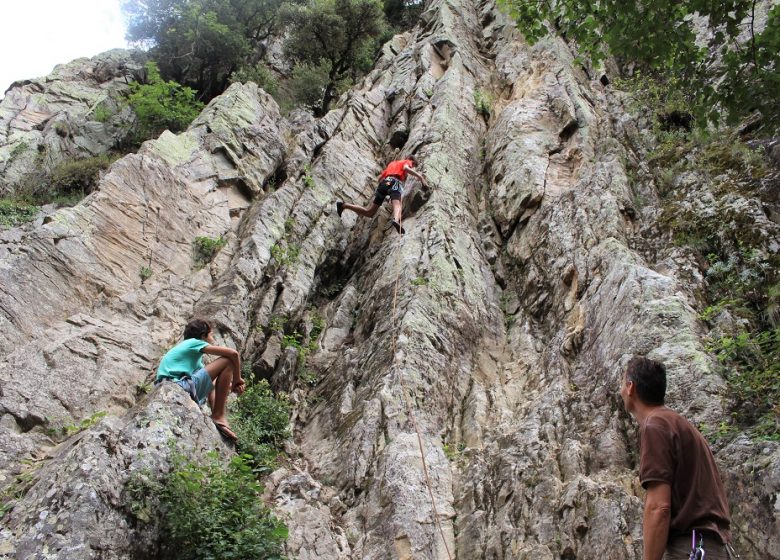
(391, 182)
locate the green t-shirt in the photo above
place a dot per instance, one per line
(183, 359)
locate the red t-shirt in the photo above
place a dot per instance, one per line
(397, 168)
(674, 452)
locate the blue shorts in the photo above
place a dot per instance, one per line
(198, 384)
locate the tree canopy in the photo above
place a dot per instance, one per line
(338, 36)
(205, 44)
(728, 68)
(200, 43)
(161, 105)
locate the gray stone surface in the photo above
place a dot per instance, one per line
(77, 111)
(79, 504)
(497, 327)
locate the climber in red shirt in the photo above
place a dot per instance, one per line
(391, 182)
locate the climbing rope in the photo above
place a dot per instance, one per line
(409, 408)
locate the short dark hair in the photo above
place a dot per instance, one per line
(413, 159)
(649, 378)
(197, 328)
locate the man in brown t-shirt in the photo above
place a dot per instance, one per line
(676, 467)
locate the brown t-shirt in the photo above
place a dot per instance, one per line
(673, 451)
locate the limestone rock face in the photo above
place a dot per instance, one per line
(76, 111)
(80, 503)
(461, 400)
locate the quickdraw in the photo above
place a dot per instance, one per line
(697, 551)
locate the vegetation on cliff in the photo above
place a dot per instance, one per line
(206, 44)
(700, 43)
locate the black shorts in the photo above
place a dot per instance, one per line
(388, 186)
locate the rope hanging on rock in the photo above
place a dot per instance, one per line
(409, 408)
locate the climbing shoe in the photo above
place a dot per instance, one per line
(398, 227)
(339, 208)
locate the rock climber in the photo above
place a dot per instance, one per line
(391, 182)
(183, 364)
(686, 511)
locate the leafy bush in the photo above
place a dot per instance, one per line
(483, 101)
(102, 113)
(161, 105)
(718, 74)
(259, 74)
(260, 420)
(14, 212)
(78, 177)
(285, 254)
(206, 248)
(308, 82)
(339, 37)
(215, 511)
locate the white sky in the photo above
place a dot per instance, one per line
(36, 35)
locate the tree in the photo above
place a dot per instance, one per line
(340, 37)
(161, 105)
(402, 14)
(725, 76)
(200, 43)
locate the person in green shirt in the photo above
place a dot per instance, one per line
(183, 365)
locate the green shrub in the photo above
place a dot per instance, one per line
(161, 105)
(308, 179)
(102, 113)
(145, 273)
(215, 511)
(78, 177)
(14, 212)
(206, 248)
(484, 102)
(307, 83)
(261, 421)
(753, 379)
(259, 74)
(16, 151)
(285, 254)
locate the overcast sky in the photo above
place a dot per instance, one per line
(36, 35)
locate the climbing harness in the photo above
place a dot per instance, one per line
(697, 551)
(410, 411)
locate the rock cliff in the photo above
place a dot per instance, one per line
(463, 401)
(75, 112)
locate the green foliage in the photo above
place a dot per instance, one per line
(260, 74)
(206, 248)
(102, 113)
(161, 105)
(308, 83)
(658, 36)
(14, 212)
(57, 430)
(308, 179)
(402, 14)
(200, 43)
(16, 151)
(145, 273)
(484, 102)
(215, 511)
(78, 177)
(420, 281)
(753, 378)
(18, 487)
(453, 452)
(261, 421)
(277, 323)
(285, 254)
(341, 36)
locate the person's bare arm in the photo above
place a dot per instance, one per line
(223, 351)
(411, 171)
(657, 516)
